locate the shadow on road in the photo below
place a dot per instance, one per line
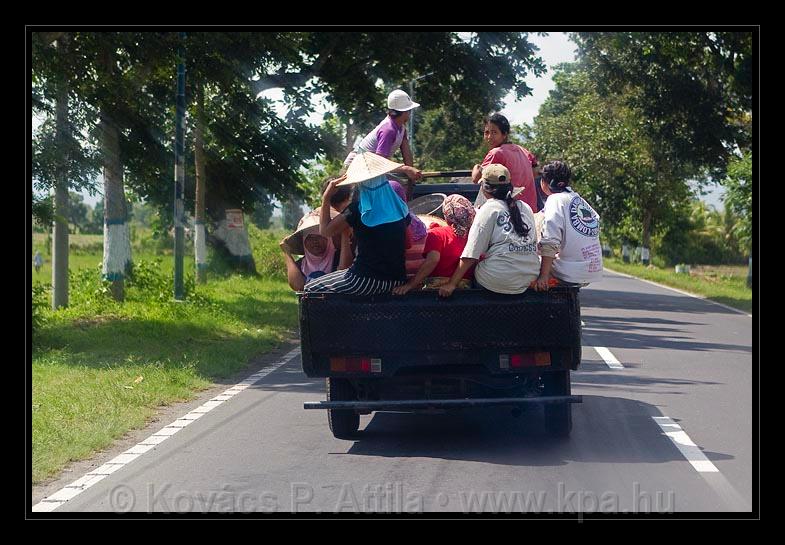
(605, 430)
(649, 302)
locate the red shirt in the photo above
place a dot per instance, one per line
(443, 240)
(519, 162)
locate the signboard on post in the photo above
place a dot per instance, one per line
(234, 218)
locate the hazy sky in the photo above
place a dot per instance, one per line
(554, 49)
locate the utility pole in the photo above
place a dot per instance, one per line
(60, 226)
(179, 174)
(200, 248)
(411, 116)
(749, 273)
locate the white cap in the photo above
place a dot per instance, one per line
(400, 101)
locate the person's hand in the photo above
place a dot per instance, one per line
(331, 188)
(446, 290)
(403, 290)
(285, 247)
(542, 282)
(413, 173)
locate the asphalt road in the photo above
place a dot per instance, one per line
(684, 358)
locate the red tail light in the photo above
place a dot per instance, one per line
(350, 365)
(527, 359)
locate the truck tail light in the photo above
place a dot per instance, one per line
(526, 359)
(355, 365)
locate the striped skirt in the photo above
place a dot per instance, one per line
(346, 282)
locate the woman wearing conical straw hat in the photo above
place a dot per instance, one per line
(379, 219)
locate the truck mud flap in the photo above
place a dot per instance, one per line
(437, 403)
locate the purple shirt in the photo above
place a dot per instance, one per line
(384, 139)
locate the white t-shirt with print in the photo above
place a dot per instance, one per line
(511, 261)
(571, 224)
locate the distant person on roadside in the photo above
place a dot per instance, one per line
(518, 160)
(38, 261)
(570, 233)
(502, 234)
(390, 135)
(443, 247)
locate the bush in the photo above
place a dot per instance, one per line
(40, 302)
(267, 253)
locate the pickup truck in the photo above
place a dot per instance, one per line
(419, 352)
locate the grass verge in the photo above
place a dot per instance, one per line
(726, 285)
(101, 368)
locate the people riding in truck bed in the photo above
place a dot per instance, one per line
(443, 247)
(379, 219)
(502, 231)
(321, 255)
(518, 160)
(570, 234)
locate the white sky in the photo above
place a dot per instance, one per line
(555, 48)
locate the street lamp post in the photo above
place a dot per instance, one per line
(411, 116)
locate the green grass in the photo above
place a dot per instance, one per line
(88, 359)
(723, 284)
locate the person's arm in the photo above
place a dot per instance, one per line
(431, 260)
(346, 251)
(409, 171)
(487, 160)
(293, 273)
(465, 264)
(476, 173)
(550, 242)
(406, 152)
(545, 274)
(328, 227)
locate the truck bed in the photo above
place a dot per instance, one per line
(422, 331)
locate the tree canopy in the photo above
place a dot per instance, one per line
(694, 89)
(250, 151)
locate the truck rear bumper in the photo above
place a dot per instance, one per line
(437, 403)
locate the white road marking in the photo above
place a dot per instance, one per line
(682, 441)
(681, 292)
(67, 493)
(609, 358)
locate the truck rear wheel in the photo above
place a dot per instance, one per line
(344, 423)
(558, 416)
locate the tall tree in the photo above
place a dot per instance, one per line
(694, 89)
(739, 197)
(634, 182)
(248, 150)
(61, 209)
(59, 162)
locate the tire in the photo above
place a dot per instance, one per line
(344, 423)
(558, 416)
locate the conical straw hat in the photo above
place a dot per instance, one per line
(428, 219)
(366, 166)
(308, 224)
